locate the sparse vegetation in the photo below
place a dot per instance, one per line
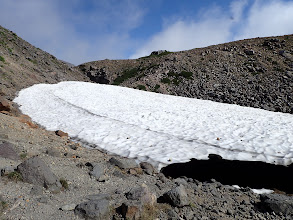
(166, 80)
(172, 74)
(127, 74)
(175, 81)
(2, 59)
(187, 75)
(64, 183)
(141, 87)
(23, 155)
(14, 176)
(3, 206)
(33, 61)
(176, 77)
(157, 86)
(157, 55)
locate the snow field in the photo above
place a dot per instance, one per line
(157, 128)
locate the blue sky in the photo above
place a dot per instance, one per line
(80, 31)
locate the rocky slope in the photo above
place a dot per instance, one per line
(255, 72)
(45, 175)
(22, 65)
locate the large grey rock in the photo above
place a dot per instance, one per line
(286, 54)
(249, 52)
(7, 151)
(123, 163)
(147, 168)
(68, 207)
(35, 171)
(93, 209)
(278, 203)
(142, 194)
(176, 197)
(97, 171)
(158, 52)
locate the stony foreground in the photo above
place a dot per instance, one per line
(44, 175)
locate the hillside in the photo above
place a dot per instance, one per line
(255, 72)
(47, 175)
(22, 65)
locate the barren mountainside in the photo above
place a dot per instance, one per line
(255, 72)
(46, 175)
(22, 65)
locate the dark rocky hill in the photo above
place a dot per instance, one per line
(22, 65)
(255, 72)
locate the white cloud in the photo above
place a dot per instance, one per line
(246, 19)
(183, 35)
(103, 29)
(70, 34)
(268, 18)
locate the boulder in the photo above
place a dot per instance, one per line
(277, 203)
(147, 168)
(35, 171)
(286, 54)
(97, 171)
(176, 197)
(93, 209)
(158, 52)
(249, 52)
(142, 194)
(123, 163)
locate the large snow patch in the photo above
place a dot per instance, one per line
(157, 128)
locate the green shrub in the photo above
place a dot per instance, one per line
(165, 80)
(64, 183)
(185, 74)
(23, 155)
(157, 55)
(3, 206)
(2, 59)
(172, 74)
(175, 82)
(127, 74)
(141, 87)
(15, 176)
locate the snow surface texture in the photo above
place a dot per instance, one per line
(257, 191)
(160, 129)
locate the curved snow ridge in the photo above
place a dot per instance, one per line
(157, 128)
